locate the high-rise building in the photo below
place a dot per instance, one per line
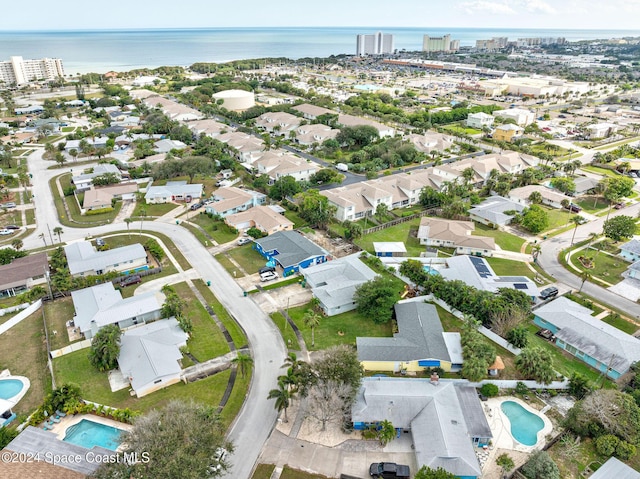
(440, 44)
(18, 71)
(377, 44)
(496, 43)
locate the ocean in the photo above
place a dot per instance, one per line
(122, 50)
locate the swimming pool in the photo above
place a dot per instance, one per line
(525, 425)
(430, 270)
(89, 434)
(10, 388)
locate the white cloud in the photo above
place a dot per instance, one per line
(484, 6)
(539, 6)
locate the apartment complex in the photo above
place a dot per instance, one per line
(440, 44)
(493, 44)
(18, 71)
(377, 44)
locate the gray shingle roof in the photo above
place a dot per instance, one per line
(492, 209)
(419, 336)
(437, 416)
(596, 338)
(20, 270)
(82, 256)
(293, 248)
(151, 351)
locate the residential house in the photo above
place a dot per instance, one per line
(454, 234)
(420, 342)
(507, 132)
(521, 116)
(314, 133)
(550, 197)
(480, 120)
(615, 468)
(102, 305)
(230, 200)
(23, 274)
(279, 123)
(477, 272)
(278, 166)
(334, 283)
(350, 120)
(601, 130)
(444, 417)
(85, 260)
(97, 142)
(495, 211)
(311, 112)
(263, 218)
(600, 345)
(150, 355)
(147, 81)
(247, 148)
(166, 145)
(584, 185)
(387, 249)
(633, 271)
(20, 137)
(630, 250)
(430, 141)
(173, 191)
(84, 181)
(208, 127)
(291, 251)
(99, 198)
(172, 109)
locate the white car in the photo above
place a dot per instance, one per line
(5, 232)
(269, 276)
(242, 241)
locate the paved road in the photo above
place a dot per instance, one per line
(258, 416)
(548, 260)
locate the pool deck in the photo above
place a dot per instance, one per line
(60, 429)
(6, 404)
(501, 427)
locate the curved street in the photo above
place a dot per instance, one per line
(258, 415)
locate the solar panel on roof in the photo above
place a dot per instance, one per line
(480, 266)
(520, 286)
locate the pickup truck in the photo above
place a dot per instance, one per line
(388, 470)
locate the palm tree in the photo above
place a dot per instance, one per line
(311, 320)
(584, 276)
(17, 244)
(143, 213)
(243, 362)
(535, 252)
(577, 220)
(42, 237)
(128, 221)
(535, 197)
(58, 231)
(282, 397)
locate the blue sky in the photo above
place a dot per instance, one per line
(74, 14)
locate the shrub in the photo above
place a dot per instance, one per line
(154, 248)
(256, 233)
(521, 388)
(625, 450)
(98, 211)
(607, 444)
(489, 390)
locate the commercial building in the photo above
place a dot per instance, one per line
(18, 71)
(493, 44)
(377, 44)
(480, 120)
(440, 44)
(521, 116)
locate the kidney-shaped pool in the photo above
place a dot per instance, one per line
(525, 425)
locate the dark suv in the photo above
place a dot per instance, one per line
(267, 269)
(550, 292)
(129, 280)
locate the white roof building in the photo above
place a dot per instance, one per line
(83, 259)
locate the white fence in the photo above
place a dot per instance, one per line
(13, 309)
(84, 344)
(28, 311)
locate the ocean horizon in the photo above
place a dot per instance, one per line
(99, 51)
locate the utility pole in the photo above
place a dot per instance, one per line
(50, 235)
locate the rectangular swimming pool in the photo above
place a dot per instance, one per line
(89, 434)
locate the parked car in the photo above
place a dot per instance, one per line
(550, 292)
(242, 241)
(267, 269)
(195, 206)
(99, 242)
(573, 208)
(12, 227)
(385, 470)
(619, 206)
(546, 334)
(269, 276)
(4, 232)
(11, 204)
(129, 280)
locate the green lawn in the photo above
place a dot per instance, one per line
(606, 268)
(197, 232)
(289, 473)
(206, 341)
(541, 148)
(401, 232)
(153, 209)
(250, 260)
(75, 368)
(592, 204)
(505, 240)
(616, 321)
(234, 329)
(226, 263)
(462, 129)
(290, 338)
(57, 313)
(557, 218)
(600, 171)
(236, 399)
(217, 229)
(24, 353)
(263, 471)
(298, 222)
(506, 267)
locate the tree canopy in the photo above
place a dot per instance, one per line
(619, 227)
(315, 208)
(375, 299)
(536, 363)
(105, 348)
(535, 219)
(541, 466)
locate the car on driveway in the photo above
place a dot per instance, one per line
(269, 276)
(242, 241)
(5, 232)
(11, 227)
(388, 470)
(11, 204)
(129, 280)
